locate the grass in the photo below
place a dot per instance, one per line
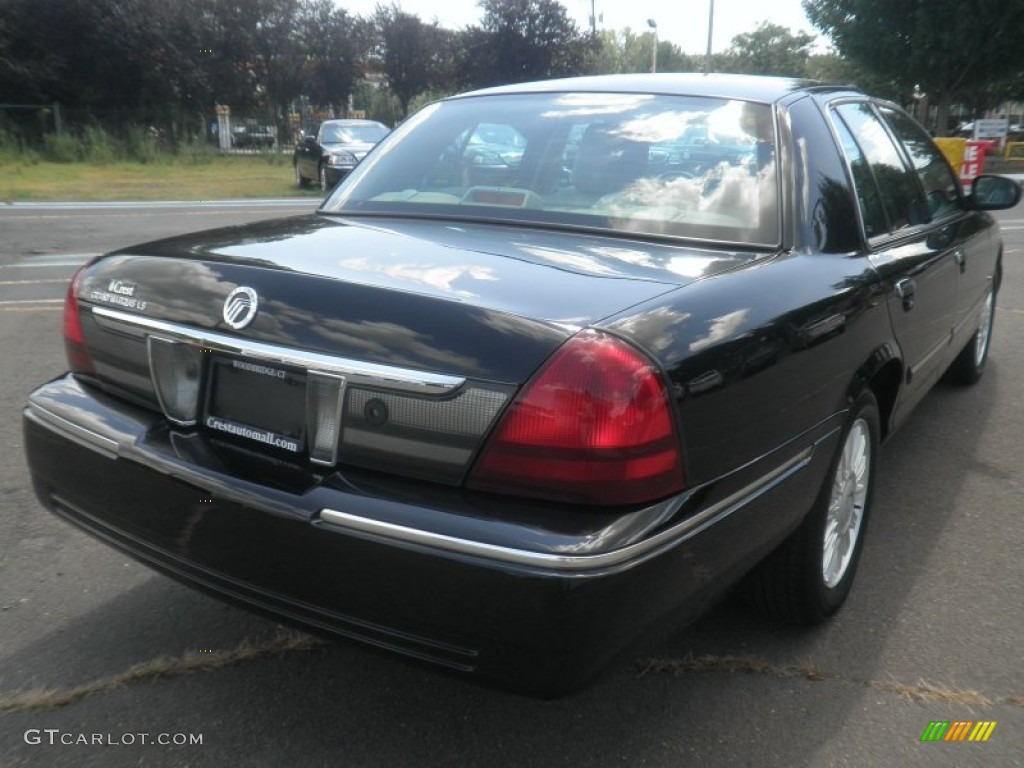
(162, 666)
(221, 178)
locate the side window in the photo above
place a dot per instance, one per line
(896, 183)
(940, 188)
(867, 191)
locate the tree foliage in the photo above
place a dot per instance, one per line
(627, 51)
(167, 63)
(520, 40)
(411, 54)
(947, 48)
(770, 49)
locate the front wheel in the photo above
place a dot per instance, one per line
(322, 174)
(808, 577)
(300, 181)
(970, 363)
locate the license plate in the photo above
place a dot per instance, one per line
(258, 403)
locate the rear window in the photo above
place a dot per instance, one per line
(353, 133)
(695, 168)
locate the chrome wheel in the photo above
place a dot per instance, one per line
(969, 364)
(807, 578)
(847, 504)
(984, 331)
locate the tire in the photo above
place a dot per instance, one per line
(969, 365)
(322, 177)
(808, 577)
(300, 181)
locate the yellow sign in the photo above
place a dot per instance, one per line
(953, 149)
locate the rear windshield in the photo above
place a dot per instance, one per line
(353, 133)
(696, 168)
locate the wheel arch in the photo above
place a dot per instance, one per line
(882, 374)
(997, 276)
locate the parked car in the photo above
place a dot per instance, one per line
(336, 149)
(512, 428)
(249, 134)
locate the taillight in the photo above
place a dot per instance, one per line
(74, 339)
(593, 426)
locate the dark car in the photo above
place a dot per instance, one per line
(511, 428)
(489, 153)
(249, 134)
(336, 149)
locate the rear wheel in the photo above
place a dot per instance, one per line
(970, 363)
(808, 577)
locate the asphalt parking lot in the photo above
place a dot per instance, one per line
(93, 644)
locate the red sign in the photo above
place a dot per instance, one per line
(974, 162)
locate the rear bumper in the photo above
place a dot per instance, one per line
(534, 602)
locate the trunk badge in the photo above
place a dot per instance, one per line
(240, 307)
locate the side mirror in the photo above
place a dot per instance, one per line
(309, 141)
(994, 193)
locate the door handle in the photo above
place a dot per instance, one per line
(961, 260)
(905, 290)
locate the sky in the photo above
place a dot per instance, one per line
(684, 22)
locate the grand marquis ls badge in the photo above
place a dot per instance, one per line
(240, 307)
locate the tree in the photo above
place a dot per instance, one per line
(626, 51)
(528, 40)
(832, 68)
(945, 47)
(770, 49)
(407, 50)
(333, 45)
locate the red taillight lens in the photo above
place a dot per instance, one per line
(593, 426)
(74, 340)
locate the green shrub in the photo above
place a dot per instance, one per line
(140, 146)
(61, 148)
(97, 147)
(10, 147)
(196, 151)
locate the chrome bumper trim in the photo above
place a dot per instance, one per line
(74, 432)
(625, 556)
(354, 371)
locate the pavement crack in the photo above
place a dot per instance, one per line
(925, 691)
(162, 666)
(747, 664)
(922, 691)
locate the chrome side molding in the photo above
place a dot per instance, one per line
(624, 557)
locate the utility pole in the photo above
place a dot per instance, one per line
(711, 26)
(654, 46)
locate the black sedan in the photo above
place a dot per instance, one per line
(512, 427)
(336, 149)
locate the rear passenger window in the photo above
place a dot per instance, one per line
(940, 188)
(897, 185)
(867, 191)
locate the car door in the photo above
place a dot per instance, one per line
(309, 154)
(975, 257)
(915, 253)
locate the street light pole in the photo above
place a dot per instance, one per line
(711, 26)
(654, 47)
